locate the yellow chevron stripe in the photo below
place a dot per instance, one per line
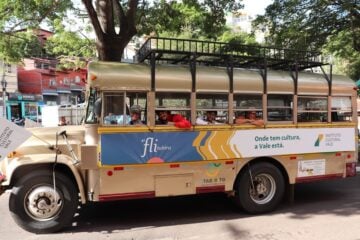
(206, 149)
(199, 138)
(219, 145)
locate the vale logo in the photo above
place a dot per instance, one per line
(318, 140)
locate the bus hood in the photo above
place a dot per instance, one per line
(43, 140)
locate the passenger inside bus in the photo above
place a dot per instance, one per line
(249, 118)
(110, 119)
(162, 117)
(135, 114)
(210, 118)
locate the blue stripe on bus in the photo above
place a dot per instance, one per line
(140, 148)
(203, 141)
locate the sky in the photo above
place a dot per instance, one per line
(256, 7)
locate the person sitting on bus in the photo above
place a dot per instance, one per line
(162, 117)
(209, 119)
(110, 119)
(249, 118)
(135, 115)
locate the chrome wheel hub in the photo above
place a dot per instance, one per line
(43, 203)
(263, 188)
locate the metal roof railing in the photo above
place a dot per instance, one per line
(181, 51)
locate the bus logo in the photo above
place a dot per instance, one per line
(318, 140)
(150, 145)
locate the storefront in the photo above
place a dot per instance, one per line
(24, 106)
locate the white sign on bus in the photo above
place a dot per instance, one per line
(11, 137)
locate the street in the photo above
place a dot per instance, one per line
(323, 210)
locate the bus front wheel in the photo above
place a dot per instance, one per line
(260, 188)
(38, 207)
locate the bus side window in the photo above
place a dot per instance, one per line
(244, 104)
(312, 109)
(280, 107)
(113, 113)
(136, 99)
(341, 109)
(212, 104)
(171, 104)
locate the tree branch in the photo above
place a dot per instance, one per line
(119, 11)
(131, 16)
(94, 19)
(110, 25)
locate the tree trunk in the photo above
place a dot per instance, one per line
(111, 48)
(110, 45)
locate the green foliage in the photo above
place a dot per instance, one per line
(17, 15)
(240, 42)
(72, 50)
(346, 59)
(17, 45)
(238, 37)
(315, 25)
(189, 18)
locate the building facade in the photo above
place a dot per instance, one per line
(37, 82)
(9, 84)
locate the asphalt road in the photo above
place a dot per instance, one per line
(323, 210)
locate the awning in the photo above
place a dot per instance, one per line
(49, 92)
(63, 91)
(76, 88)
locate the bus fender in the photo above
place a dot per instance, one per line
(17, 165)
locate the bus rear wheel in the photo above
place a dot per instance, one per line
(39, 208)
(260, 188)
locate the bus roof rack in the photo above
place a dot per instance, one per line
(210, 53)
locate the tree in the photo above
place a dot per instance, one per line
(114, 25)
(71, 48)
(115, 22)
(313, 24)
(16, 15)
(309, 23)
(191, 18)
(345, 58)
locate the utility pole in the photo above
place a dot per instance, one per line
(4, 85)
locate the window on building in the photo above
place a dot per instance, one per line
(52, 82)
(77, 79)
(66, 81)
(31, 111)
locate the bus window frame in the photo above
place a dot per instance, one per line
(291, 108)
(238, 110)
(204, 109)
(346, 111)
(126, 105)
(313, 111)
(94, 96)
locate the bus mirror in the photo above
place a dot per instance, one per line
(97, 107)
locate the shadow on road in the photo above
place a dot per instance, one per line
(339, 197)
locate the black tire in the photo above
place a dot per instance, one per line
(269, 185)
(51, 210)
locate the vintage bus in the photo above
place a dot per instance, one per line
(308, 133)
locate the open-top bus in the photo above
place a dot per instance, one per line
(308, 133)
